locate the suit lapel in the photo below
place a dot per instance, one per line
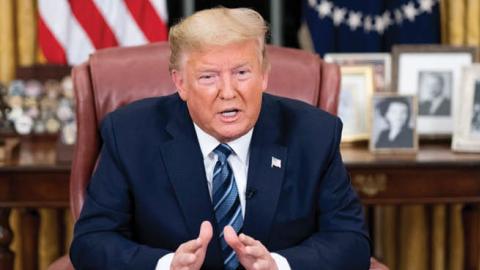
(267, 165)
(184, 163)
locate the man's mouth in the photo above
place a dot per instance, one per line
(229, 113)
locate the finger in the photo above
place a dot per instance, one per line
(232, 239)
(247, 240)
(206, 233)
(190, 246)
(185, 259)
(255, 251)
(260, 264)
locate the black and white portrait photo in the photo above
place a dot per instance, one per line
(434, 92)
(475, 127)
(393, 123)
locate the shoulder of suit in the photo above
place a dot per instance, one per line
(145, 110)
(147, 105)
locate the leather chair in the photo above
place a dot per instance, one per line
(114, 77)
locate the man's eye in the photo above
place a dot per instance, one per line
(243, 74)
(208, 78)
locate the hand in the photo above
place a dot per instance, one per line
(190, 255)
(250, 252)
(376, 265)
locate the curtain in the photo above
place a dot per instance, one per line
(7, 41)
(460, 24)
(420, 237)
(18, 37)
(370, 25)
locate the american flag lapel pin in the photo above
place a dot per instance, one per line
(277, 163)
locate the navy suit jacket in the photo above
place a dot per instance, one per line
(149, 191)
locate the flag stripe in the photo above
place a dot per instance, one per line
(94, 24)
(121, 22)
(147, 19)
(161, 8)
(49, 45)
(69, 30)
(58, 17)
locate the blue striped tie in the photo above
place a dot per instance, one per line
(226, 202)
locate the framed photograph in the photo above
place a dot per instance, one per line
(466, 136)
(433, 74)
(380, 62)
(356, 88)
(394, 124)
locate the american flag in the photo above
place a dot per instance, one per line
(69, 30)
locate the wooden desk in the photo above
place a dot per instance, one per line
(31, 179)
(435, 175)
(425, 177)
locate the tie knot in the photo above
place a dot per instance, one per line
(223, 151)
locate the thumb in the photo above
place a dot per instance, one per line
(232, 239)
(206, 233)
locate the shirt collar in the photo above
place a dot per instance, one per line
(208, 143)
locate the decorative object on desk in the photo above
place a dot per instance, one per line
(52, 125)
(466, 136)
(69, 133)
(393, 123)
(433, 73)
(42, 108)
(355, 91)
(16, 88)
(67, 87)
(33, 88)
(5, 125)
(24, 124)
(380, 62)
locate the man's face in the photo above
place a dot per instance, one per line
(433, 86)
(222, 86)
(397, 114)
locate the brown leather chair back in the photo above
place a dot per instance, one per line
(115, 77)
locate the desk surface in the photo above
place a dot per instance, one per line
(34, 154)
(428, 155)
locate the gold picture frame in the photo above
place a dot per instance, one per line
(356, 88)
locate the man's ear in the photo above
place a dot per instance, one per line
(177, 78)
(265, 80)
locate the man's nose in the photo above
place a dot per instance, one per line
(227, 88)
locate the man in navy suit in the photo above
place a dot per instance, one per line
(220, 175)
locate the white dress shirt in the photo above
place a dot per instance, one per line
(238, 161)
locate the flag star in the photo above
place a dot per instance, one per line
(367, 24)
(312, 3)
(325, 8)
(354, 20)
(339, 15)
(398, 16)
(426, 5)
(379, 24)
(387, 18)
(410, 11)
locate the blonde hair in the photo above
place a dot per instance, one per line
(217, 27)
